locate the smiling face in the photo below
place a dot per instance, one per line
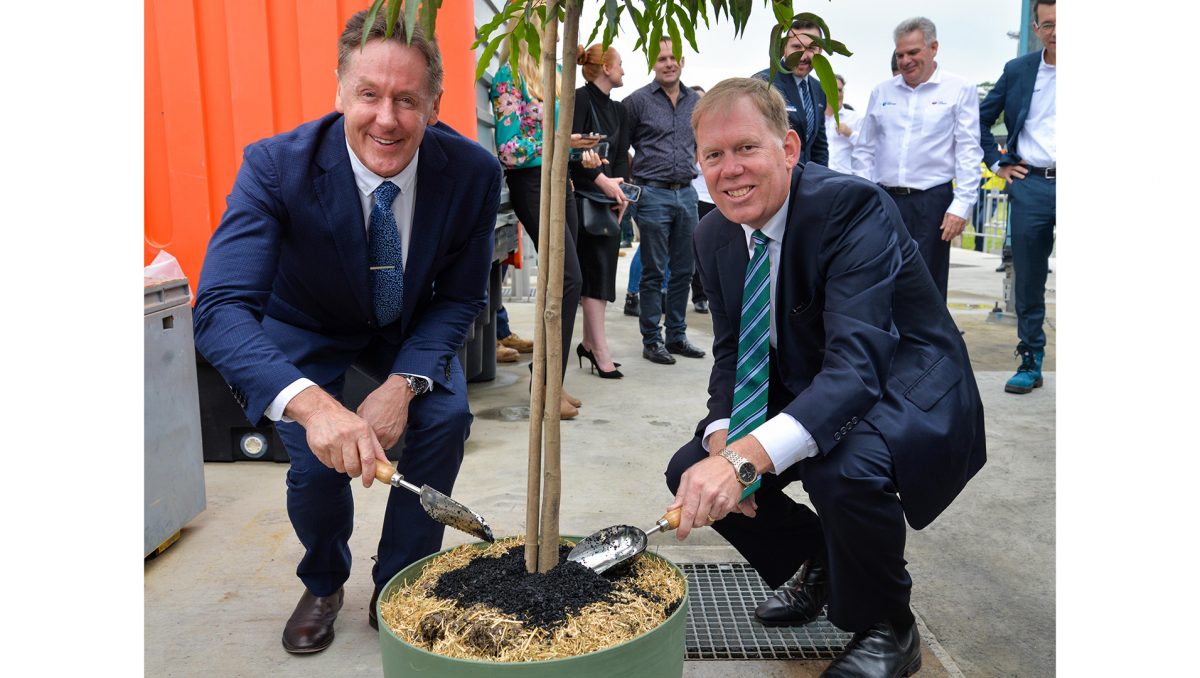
(666, 68)
(747, 167)
(801, 40)
(384, 95)
(915, 59)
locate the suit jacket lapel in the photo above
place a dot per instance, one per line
(429, 217)
(787, 84)
(790, 281)
(1028, 81)
(338, 194)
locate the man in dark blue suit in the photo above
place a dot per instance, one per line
(363, 238)
(870, 399)
(803, 94)
(1025, 93)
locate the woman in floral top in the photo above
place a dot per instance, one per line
(518, 110)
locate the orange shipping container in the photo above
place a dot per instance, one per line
(223, 74)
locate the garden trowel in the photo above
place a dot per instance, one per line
(439, 507)
(612, 546)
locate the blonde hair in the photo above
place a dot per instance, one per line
(594, 59)
(728, 92)
(529, 70)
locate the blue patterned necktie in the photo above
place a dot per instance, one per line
(750, 389)
(810, 116)
(385, 256)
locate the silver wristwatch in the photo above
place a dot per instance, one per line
(744, 468)
(418, 385)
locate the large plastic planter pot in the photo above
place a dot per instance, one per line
(656, 654)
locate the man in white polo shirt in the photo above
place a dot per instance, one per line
(920, 141)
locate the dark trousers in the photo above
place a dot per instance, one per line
(858, 527)
(923, 213)
(666, 221)
(319, 500)
(702, 208)
(1034, 201)
(525, 190)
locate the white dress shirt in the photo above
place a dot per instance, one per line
(840, 147)
(785, 439)
(402, 206)
(923, 136)
(701, 186)
(1037, 141)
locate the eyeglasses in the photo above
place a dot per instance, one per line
(1047, 27)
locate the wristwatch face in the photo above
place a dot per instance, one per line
(746, 473)
(418, 386)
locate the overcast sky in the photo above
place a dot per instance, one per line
(972, 37)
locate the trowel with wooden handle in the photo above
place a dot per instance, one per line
(439, 507)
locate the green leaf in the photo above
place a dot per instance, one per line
(595, 30)
(835, 47)
(689, 27)
(410, 15)
(533, 41)
(776, 50)
(485, 59)
(783, 12)
(652, 47)
(828, 82)
(514, 52)
(429, 16)
(485, 31)
(393, 13)
(371, 14)
(676, 42)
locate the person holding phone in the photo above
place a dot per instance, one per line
(599, 190)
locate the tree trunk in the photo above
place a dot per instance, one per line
(552, 469)
(537, 392)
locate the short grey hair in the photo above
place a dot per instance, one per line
(351, 41)
(917, 23)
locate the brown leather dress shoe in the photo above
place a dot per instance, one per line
(517, 343)
(505, 354)
(310, 628)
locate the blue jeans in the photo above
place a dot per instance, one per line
(1033, 202)
(635, 274)
(666, 220)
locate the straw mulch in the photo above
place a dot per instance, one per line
(646, 593)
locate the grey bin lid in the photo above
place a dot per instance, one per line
(164, 294)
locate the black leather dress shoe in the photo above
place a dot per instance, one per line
(372, 616)
(799, 600)
(657, 353)
(684, 348)
(701, 306)
(879, 652)
(310, 628)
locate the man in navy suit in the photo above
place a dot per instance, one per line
(871, 402)
(363, 238)
(802, 92)
(1025, 93)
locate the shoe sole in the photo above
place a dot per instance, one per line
(911, 668)
(1008, 388)
(308, 650)
(782, 624)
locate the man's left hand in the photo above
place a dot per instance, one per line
(386, 409)
(952, 226)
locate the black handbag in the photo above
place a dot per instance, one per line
(596, 213)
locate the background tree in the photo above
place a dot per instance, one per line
(653, 20)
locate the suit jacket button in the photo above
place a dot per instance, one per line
(854, 420)
(837, 436)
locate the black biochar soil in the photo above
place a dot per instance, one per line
(541, 600)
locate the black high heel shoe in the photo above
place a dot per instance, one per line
(584, 353)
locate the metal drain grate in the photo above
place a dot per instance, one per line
(721, 625)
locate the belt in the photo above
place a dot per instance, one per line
(662, 184)
(1047, 172)
(905, 190)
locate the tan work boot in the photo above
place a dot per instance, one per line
(517, 343)
(505, 354)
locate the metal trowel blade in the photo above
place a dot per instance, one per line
(449, 512)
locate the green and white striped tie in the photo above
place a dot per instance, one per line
(753, 373)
